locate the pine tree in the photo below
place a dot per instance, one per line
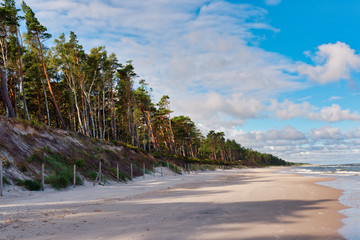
(37, 32)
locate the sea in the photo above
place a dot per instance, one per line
(347, 178)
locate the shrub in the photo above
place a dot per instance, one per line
(122, 176)
(29, 184)
(61, 180)
(37, 125)
(79, 181)
(92, 175)
(80, 162)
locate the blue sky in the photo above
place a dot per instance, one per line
(278, 76)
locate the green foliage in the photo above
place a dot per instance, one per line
(37, 156)
(5, 180)
(122, 176)
(29, 184)
(37, 125)
(33, 25)
(62, 173)
(60, 179)
(80, 162)
(92, 175)
(78, 181)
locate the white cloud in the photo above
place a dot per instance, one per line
(327, 133)
(334, 114)
(215, 111)
(322, 145)
(290, 110)
(334, 62)
(334, 98)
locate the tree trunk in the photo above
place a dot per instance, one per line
(78, 111)
(47, 104)
(85, 127)
(136, 130)
(38, 101)
(62, 123)
(148, 122)
(22, 78)
(5, 96)
(96, 134)
(112, 115)
(129, 125)
(171, 131)
(72, 114)
(99, 116)
(104, 121)
(91, 115)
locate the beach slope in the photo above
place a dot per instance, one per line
(250, 204)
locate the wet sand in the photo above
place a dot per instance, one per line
(250, 204)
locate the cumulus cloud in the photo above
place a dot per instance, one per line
(327, 133)
(215, 111)
(323, 145)
(334, 62)
(290, 110)
(334, 113)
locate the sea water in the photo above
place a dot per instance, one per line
(347, 178)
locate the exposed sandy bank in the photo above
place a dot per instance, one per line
(250, 204)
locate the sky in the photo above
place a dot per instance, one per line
(278, 76)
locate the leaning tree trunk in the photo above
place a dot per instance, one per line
(62, 123)
(5, 96)
(148, 121)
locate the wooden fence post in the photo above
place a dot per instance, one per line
(144, 170)
(74, 176)
(1, 179)
(168, 168)
(117, 173)
(42, 176)
(131, 172)
(161, 171)
(100, 172)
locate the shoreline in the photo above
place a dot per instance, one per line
(233, 204)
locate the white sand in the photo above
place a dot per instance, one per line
(233, 204)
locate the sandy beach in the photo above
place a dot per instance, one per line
(250, 204)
